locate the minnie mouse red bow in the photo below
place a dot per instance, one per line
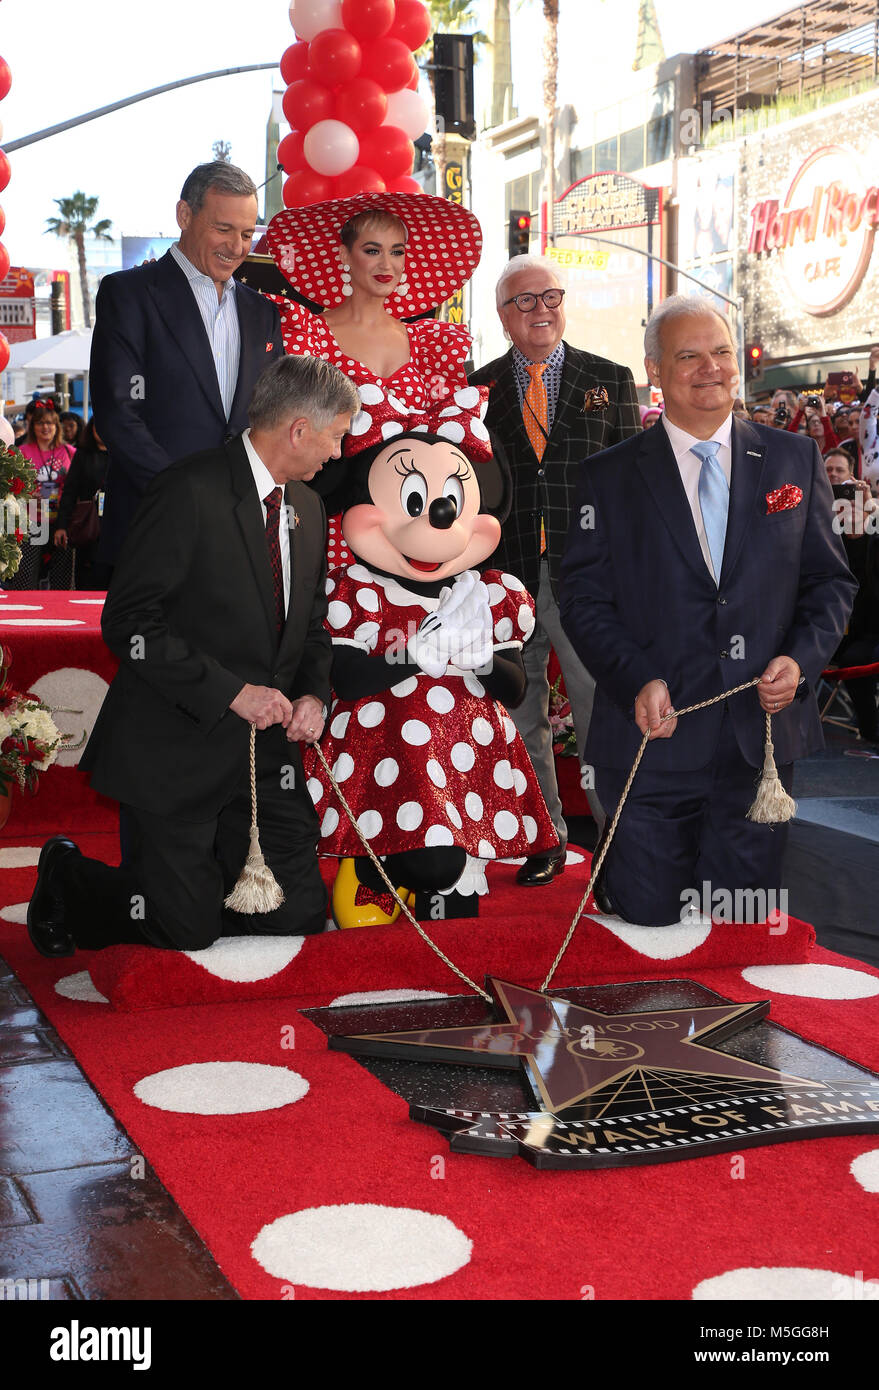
(458, 418)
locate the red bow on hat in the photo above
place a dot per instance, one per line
(458, 418)
(783, 499)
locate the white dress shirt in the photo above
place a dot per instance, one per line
(690, 466)
(265, 484)
(220, 319)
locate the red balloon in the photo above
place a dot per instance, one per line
(412, 23)
(414, 80)
(389, 150)
(334, 57)
(294, 62)
(5, 171)
(361, 104)
(291, 155)
(2, 221)
(389, 63)
(5, 78)
(307, 102)
(4, 262)
(404, 185)
(306, 187)
(357, 180)
(368, 19)
(4, 353)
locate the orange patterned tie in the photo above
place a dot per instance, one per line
(535, 414)
(534, 408)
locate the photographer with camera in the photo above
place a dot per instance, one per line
(811, 407)
(860, 645)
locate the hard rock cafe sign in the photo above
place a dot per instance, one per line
(822, 233)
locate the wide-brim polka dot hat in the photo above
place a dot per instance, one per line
(443, 247)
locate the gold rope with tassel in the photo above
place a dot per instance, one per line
(257, 889)
(771, 805)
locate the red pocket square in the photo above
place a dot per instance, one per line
(269, 347)
(783, 498)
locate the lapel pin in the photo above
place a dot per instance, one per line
(269, 347)
(754, 453)
(596, 398)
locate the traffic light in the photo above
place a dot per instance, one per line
(520, 233)
(754, 362)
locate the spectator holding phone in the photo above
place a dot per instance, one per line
(812, 408)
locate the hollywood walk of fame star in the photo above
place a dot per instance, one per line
(573, 1052)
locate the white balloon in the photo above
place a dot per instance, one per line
(1, 130)
(310, 17)
(7, 433)
(331, 147)
(409, 111)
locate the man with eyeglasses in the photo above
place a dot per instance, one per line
(551, 405)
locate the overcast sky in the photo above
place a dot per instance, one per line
(70, 56)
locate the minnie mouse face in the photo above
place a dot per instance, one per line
(423, 520)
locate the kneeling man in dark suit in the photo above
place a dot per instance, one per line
(701, 555)
(216, 616)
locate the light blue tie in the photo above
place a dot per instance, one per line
(713, 500)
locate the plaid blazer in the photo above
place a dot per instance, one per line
(548, 488)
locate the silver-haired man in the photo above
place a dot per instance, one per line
(551, 405)
(216, 616)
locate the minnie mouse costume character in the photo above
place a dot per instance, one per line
(426, 653)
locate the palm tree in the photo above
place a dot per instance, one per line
(77, 212)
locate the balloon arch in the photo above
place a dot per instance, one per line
(351, 98)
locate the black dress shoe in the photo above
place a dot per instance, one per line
(45, 912)
(541, 868)
(602, 899)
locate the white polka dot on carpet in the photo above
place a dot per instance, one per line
(659, 943)
(865, 1170)
(248, 958)
(771, 1283)
(813, 981)
(385, 996)
(19, 857)
(15, 912)
(361, 1248)
(81, 987)
(221, 1088)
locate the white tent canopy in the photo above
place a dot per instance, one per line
(65, 352)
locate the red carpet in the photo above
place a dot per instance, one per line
(504, 1229)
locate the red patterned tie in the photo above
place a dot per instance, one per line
(273, 540)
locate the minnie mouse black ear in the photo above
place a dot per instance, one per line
(495, 481)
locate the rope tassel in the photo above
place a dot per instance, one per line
(771, 805)
(257, 889)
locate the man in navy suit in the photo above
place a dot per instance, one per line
(178, 345)
(701, 555)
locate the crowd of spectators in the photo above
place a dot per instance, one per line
(71, 466)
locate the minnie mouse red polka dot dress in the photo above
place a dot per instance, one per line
(426, 762)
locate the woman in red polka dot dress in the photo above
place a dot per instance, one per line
(426, 654)
(371, 261)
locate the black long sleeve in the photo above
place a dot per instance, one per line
(356, 674)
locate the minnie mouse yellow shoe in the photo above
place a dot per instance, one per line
(355, 905)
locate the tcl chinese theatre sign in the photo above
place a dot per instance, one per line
(822, 229)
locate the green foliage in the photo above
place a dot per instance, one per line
(77, 212)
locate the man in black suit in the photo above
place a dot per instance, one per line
(709, 560)
(216, 616)
(178, 345)
(578, 404)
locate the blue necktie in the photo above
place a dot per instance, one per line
(713, 500)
